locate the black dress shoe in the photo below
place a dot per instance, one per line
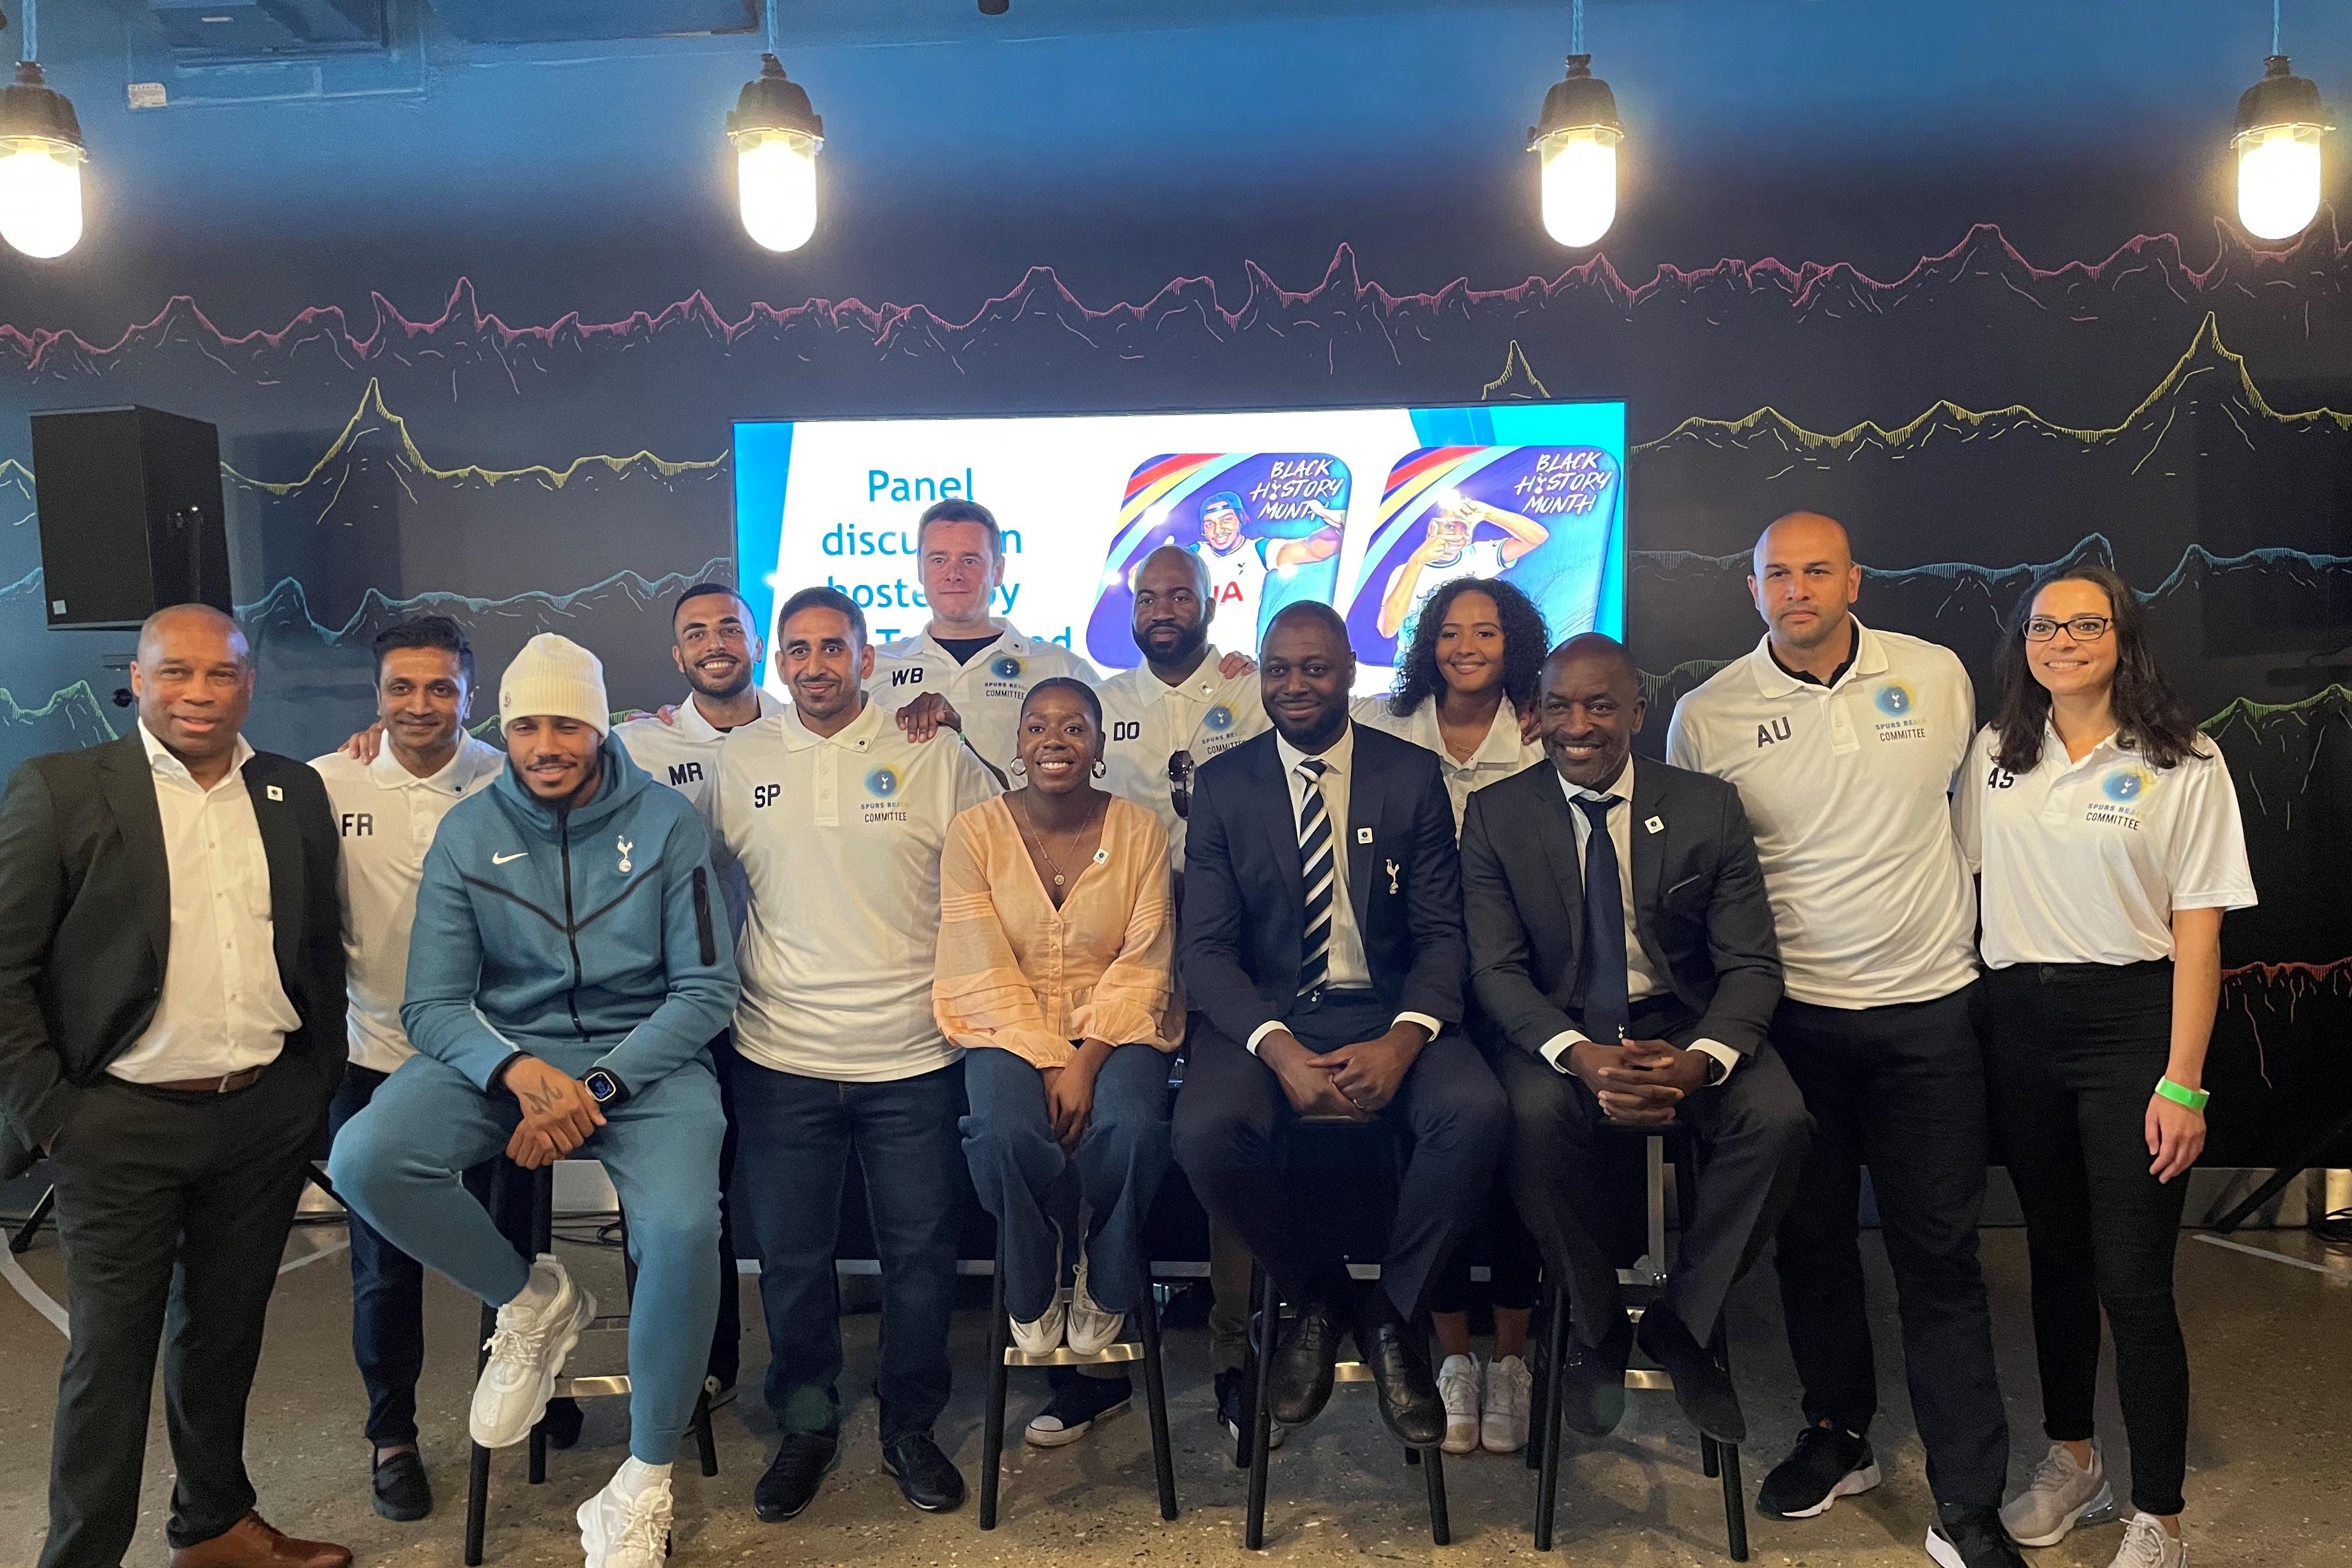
(1701, 1388)
(402, 1492)
(1593, 1381)
(1399, 1362)
(1300, 1380)
(794, 1474)
(927, 1476)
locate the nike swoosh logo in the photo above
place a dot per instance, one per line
(502, 859)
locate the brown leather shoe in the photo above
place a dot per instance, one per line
(254, 1543)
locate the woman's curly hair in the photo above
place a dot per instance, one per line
(1526, 641)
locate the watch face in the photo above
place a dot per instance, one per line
(601, 1085)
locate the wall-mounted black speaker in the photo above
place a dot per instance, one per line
(129, 501)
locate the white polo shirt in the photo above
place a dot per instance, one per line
(387, 816)
(1848, 788)
(1498, 756)
(684, 755)
(986, 692)
(2084, 862)
(840, 838)
(1146, 722)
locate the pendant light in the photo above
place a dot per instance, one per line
(776, 136)
(2280, 122)
(1576, 141)
(40, 162)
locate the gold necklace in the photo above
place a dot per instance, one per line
(1038, 836)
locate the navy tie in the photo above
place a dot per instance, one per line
(1606, 1003)
(1317, 873)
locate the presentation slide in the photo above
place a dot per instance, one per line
(1368, 510)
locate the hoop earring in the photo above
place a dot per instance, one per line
(1018, 766)
(1101, 767)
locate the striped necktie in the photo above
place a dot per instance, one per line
(1316, 874)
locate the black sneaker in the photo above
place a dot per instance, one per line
(1077, 1403)
(1233, 1399)
(401, 1493)
(1826, 1465)
(927, 1476)
(1967, 1537)
(794, 1474)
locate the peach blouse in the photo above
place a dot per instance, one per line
(1017, 973)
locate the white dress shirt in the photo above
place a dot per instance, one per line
(224, 1009)
(386, 816)
(1349, 970)
(1641, 979)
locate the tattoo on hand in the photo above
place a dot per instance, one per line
(540, 1100)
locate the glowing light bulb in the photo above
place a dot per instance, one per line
(776, 136)
(1576, 141)
(2278, 180)
(40, 196)
(1579, 184)
(2280, 122)
(776, 182)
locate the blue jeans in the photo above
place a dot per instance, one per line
(397, 1165)
(388, 1286)
(1025, 1179)
(797, 1134)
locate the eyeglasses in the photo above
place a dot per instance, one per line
(1180, 783)
(2081, 628)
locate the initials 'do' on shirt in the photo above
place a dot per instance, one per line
(1146, 722)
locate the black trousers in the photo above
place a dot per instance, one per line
(173, 1211)
(1231, 1108)
(1900, 1090)
(1751, 1132)
(2075, 1052)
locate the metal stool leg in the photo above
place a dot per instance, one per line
(1707, 1466)
(1432, 1468)
(991, 1425)
(477, 1472)
(22, 1241)
(1155, 1389)
(1734, 1505)
(542, 1240)
(1555, 1386)
(1260, 1427)
(705, 1442)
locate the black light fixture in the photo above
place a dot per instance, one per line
(1576, 138)
(2280, 122)
(776, 135)
(40, 161)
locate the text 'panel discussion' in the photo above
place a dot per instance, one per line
(1036, 783)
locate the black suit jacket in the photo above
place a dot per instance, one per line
(1244, 900)
(86, 924)
(1698, 903)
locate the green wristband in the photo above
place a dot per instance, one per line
(2194, 1099)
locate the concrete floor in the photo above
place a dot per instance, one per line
(2269, 1453)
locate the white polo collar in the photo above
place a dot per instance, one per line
(1500, 749)
(689, 721)
(388, 772)
(859, 735)
(1869, 658)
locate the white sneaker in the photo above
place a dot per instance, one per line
(1458, 1384)
(536, 1332)
(1504, 1429)
(618, 1531)
(2060, 1496)
(2147, 1545)
(1043, 1337)
(1093, 1328)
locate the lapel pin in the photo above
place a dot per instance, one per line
(1655, 825)
(274, 792)
(1392, 875)
(1363, 836)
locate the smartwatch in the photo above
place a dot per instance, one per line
(605, 1089)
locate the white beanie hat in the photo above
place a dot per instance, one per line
(555, 677)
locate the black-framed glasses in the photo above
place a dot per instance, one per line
(1180, 783)
(2081, 628)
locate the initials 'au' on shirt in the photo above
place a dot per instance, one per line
(1848, 788)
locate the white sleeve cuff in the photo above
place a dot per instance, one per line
(1424, 1020)
(1260, 1033)
(1720, 1052)
(1555, 1050)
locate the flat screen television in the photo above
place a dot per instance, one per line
(1369, 510)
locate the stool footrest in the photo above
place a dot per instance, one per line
(1124, 1350)
(591, 1387)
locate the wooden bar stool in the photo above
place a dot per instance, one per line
(543, 1240)
(1649, 1273)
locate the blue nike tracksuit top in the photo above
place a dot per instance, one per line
(591, 938)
